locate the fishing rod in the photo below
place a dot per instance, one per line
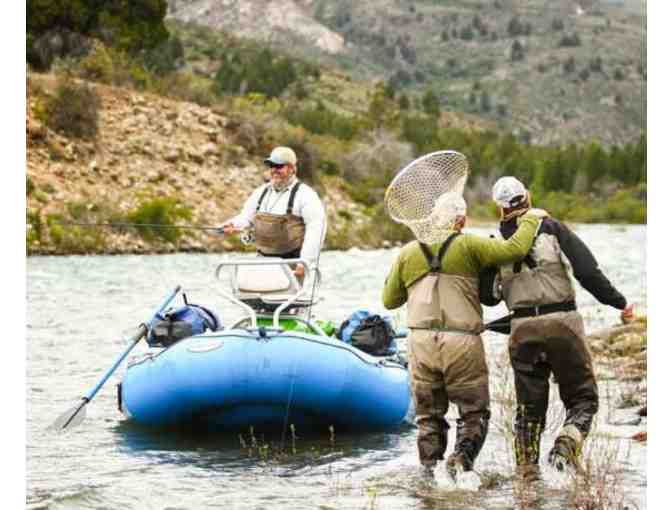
(140, 225)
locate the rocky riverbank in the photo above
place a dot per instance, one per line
(620, 356)
(150, 147)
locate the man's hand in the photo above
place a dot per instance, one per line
(300, 271)
(628, 314)
(228, 229)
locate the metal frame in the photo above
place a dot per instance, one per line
(299, 289)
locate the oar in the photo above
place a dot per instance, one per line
(74, 416)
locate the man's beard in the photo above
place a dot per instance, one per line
(281, 184)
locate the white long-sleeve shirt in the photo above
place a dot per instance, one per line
(307, 205)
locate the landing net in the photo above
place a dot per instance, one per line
(426, 195)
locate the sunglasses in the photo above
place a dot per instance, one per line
(277, 165)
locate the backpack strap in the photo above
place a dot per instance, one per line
(292, 194)
(435, 262)
(261, 198)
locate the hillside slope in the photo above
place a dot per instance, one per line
(551, 72)
(149, 147)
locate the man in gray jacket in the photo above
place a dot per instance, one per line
(547, 332)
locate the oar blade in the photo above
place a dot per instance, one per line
(70, 419)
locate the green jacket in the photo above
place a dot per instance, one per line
(467, 256)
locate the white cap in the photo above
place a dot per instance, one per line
(447, 209)
(508, 192)
(281, 156)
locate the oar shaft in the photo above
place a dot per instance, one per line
(142, 330)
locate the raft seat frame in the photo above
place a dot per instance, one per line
(270, 286)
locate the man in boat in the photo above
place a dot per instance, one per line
(547, 332)
(287, 215)
(446, 359)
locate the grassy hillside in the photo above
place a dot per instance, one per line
(551, 72)
(176, 136)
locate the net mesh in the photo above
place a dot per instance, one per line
(426, 195)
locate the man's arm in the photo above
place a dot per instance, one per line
(585, 267)
(313, 214)
(496, 252)
(246, 216)
(394, 292)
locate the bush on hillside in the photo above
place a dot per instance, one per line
(73, 110)
(371, 166)
(322, 121)
(570, 40)
(108, 65)
(128, 26)
(160, 211)
(187, 87)
(249, 70)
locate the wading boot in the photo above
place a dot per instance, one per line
(456, 464)
(565, 454)
(427, 469)
(526, 444)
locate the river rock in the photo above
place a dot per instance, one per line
(631, 343)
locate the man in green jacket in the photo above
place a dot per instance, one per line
(445, 318)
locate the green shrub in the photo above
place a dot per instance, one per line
(73, 110)
(30, 186)
(109, 65)
(74, 239)
(245, 70)
(130, 26)
(187, 87)
(322, 121)
(160, 211)
(34, 226)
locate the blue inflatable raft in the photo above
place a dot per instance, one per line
(254, 375)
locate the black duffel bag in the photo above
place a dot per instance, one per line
(369, 333)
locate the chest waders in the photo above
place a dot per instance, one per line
(279, 235)
(547, 337)
(447, 363)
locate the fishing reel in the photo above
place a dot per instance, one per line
(247, 236)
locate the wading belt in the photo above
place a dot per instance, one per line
(533, 311)
(291, 255)
(448, 330)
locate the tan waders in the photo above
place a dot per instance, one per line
(279, 235)
(449, 367)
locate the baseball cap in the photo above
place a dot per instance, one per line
(508, 192)
(281, 156)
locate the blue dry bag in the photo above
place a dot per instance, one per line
(183, 322)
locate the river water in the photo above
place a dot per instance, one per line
(80, 308)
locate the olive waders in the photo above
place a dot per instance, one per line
(547, 337)
(447, 363)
